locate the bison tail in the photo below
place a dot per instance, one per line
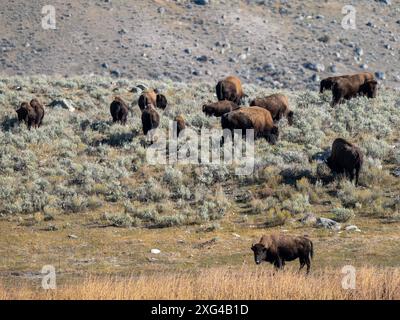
(312, 250)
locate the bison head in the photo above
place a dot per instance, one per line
(260, 252)
(22, 111)
(161, 101)
(369, 89)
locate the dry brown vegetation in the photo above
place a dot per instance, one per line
(224, 283)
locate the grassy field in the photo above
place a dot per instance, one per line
(79, 194)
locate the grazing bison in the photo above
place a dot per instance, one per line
(31, 113)
(351, 86)
(151, 96)
(369, 89)
(230, 89)
(345, 158)
(277, 104)
(150, 119)
(219, 108)
(119, 110)
(255, 118)
(278, 248)
(180, 124)
(327, 83)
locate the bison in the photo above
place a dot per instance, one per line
(150, 119)
(369, 89)
(230, 89)
(345, 158)
(327, 83)
(351, 86)
(151, 96)
(219, 108)
(119, 110)
(255, 118)
(31, 113)
(278, 248)
(277, 104)
(180, 124)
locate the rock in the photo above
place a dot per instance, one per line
(155, 251)
(188, 51)
(269, 67)
(352, 228)
(314, 66)
(315, 78)
(161, 10)
(72, 236)
(328, 224)
(386, 2)
(236, 235)
(104, 65)
(364, 66)
(380, 75)
(396, 172)
(325, 38)
(201, 2)
(359, 51)
(63, 103)
(333, 68)
(115, 73)
(202, 58)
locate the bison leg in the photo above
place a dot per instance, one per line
(302, 263)
(308, 262)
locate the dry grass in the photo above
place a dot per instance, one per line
(224, 283)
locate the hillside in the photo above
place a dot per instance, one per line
(276, 44)
(79, 193)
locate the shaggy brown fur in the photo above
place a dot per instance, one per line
(349, 87)
(151, 96)
(345, 158)
(119, 110)
(219, 108)
(31, 113)
(278, 248)
(255, 118)
(150, 119)
(369, 89)
(180, 124)
(277, 104)
(327, 83)
(230, 89)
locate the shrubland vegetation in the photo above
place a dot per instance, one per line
(79, 161)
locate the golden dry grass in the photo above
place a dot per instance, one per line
(223, 283)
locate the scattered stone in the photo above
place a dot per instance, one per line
(325, 39)
(380, 75)
(315, 78)
(359, 51)
(364, 66)
(314, 66)
(155, 251)
(188, 51)
(333, 68)
(115, 73)
(72, 236)
(202, 58)
(201, 2)
(396, 172)
(104, 65)
(161, 10)
(328, 224)
(236, 235)
(352, 228)
(63, 103)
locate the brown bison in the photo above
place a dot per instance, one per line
(119, 110)
(345, 158)
(31, 113)
(180, 124)
(255, 118)
(277, 104)
(151, 96)
(278, 248)
(349, 87)
(327, 83)
(219, 108)
(369, 89)
(230, 89)
(150, 119)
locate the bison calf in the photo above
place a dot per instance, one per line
(31, 113)
(119, 110)
(150, 119)
(345, 158)
(230, 89)
(152, 97)
(277, 249)
(277, 104)
(180, 124)
(256, 118)
(219, 108)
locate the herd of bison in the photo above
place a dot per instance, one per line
(262, 116)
